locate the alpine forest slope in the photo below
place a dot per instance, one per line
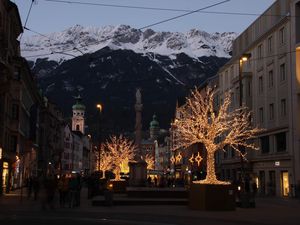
(106, 65)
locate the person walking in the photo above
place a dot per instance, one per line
(35, 187)
(63, 188)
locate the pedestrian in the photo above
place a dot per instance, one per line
(35, 187)
(63, 188)
(50, 188)
(155, 181)
(29, 187)
(149, 181)
(254, 188)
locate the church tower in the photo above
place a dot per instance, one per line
(154, 128)
(78, 115)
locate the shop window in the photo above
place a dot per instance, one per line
(285, 184)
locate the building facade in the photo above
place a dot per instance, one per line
(20, 104)
(264, 75)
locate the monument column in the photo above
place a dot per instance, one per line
(138, 168)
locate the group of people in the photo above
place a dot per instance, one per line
(45, 189)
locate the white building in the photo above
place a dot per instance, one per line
(271, 89)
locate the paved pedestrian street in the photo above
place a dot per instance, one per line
(268, 211)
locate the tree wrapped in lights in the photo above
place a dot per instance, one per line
(149, 159)
(106, 162)
(201, 123)
(122, 150)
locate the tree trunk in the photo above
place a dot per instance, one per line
(103, 174)
(210, 170)
(117, 173)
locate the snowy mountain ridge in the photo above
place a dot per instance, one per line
(78, 40)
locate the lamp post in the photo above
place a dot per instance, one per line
(244, 58)
(99, 109)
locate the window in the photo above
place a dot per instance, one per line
(260, 85)
(271, 79)
(77, 127)
(265, 144)
(270, 44)
(13, 143)
(260, 51)
(282, 35)
(237, 94)
(261, 115)
(15, 112)
(66, 155)
(283, 107)
(282, 72)
(249, 88)
(271, 111)
(281, 142)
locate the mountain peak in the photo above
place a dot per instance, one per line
(78, 39)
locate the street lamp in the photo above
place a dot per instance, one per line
(243, 58)
(99, 108)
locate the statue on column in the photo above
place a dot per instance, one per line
(138, 169)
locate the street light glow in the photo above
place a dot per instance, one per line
(99, 106)
(245, 57)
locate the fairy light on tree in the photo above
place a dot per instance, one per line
(200, 123)
(106, 162)
(122, 150)
(150, 161)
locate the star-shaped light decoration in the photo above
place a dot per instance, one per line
(178, 157)
(191, 159)
(198, 159)
(173, 159)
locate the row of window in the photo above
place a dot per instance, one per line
(270, 45)
(78, 114)
(283, 111)
(282, 75)
(278, 139)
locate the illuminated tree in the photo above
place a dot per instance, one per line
(106, 162)
(150, 161)
(201, 122)
(122, 150)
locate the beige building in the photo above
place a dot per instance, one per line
(270, 80)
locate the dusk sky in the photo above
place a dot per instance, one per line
(49, 16)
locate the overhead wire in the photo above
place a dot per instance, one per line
(144, 27)
(27, 18)
(162, 9)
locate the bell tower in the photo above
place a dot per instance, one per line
(78, 115)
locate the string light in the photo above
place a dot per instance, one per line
(150, 161)
(198, 159)
(122, 150)
(200, 123)
(178, 158)
(173, 159)
(106, 162)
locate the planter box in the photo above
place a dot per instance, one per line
(212, 197)
(117, 186)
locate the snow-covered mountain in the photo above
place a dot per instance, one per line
(77, 40)
(164, 65)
